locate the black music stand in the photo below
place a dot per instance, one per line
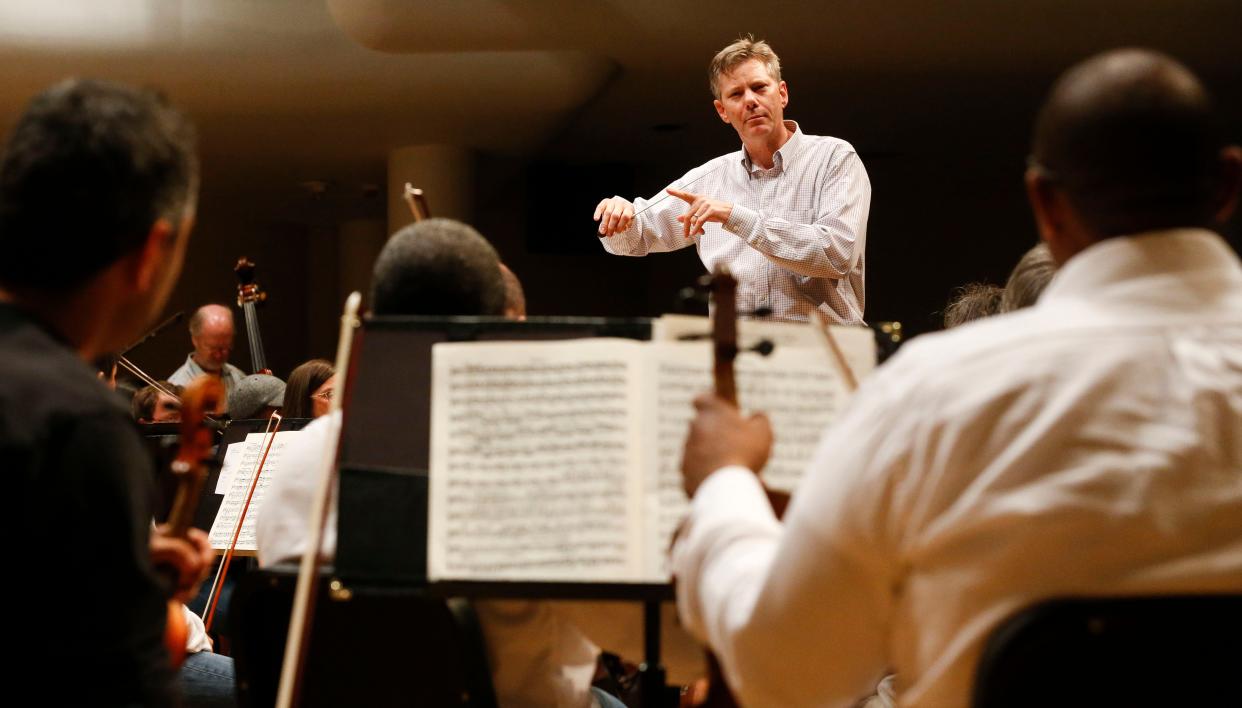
(384, 459)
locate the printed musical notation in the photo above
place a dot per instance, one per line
(240, 464)
(559, 461)
(530, 462)
(796, 388)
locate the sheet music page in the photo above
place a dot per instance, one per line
(857, 342)
(799, 389)
(534, 461)
(238, 469)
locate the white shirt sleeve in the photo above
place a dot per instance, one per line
(797, 615)
(655, 228)
(283, 523)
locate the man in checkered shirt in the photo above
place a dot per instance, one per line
(787, 214)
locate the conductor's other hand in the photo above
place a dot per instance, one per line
(614, 214)
(700, 210)
(721, 436)
(185, 560)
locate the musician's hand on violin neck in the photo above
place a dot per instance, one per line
(185, 561)
(720, 436)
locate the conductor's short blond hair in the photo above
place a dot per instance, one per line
(742, 50)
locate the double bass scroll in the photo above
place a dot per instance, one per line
(249, 294)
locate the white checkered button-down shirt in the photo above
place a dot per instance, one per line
(797, 235)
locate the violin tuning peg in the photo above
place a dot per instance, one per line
(691, 294)
(763, 347)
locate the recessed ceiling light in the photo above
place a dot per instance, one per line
(77, 22)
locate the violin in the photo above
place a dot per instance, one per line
(249, 295)
(302, 615)
(723, 287)
(190, 470)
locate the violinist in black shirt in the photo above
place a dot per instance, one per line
(97, 196)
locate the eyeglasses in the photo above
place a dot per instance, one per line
(323, 395)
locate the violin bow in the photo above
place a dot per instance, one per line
(213, 597)
(834, 350)
(304, 595)
(417, 202)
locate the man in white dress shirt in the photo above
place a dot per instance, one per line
(787, 214)
(1086, 445)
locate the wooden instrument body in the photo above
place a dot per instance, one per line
(190, 469)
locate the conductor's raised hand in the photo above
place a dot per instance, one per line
(614, 214)
(702, 210)
(721, 436)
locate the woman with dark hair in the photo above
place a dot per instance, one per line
(309, 389)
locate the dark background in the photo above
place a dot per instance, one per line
(564, 102)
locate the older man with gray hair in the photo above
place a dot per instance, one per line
(211, 332)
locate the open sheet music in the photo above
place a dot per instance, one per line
(241, 464)
(559, 461)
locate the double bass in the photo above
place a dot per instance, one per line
(249, 295)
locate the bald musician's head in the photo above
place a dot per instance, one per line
(211, 331)
(1128, 142)
(437, 267)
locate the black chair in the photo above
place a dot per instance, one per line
(1183, 650)
(370, 645)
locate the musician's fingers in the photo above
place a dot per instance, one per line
(708, 401)
(202, 545)
(627, 216)
(699, 220)
(177, 556)
(599, 209)
(687, 197)
(760, 422)
(692, 214)
(604, 217)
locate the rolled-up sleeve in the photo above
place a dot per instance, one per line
(797, 613)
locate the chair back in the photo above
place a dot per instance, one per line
(372, 645)
(1122, 651)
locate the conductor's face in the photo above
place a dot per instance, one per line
(752, 102)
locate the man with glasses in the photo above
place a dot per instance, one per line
(211, 332)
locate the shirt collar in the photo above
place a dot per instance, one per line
(193, 365)
(1130, 268)
(786, 152)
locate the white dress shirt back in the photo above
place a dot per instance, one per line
(1086, 446)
